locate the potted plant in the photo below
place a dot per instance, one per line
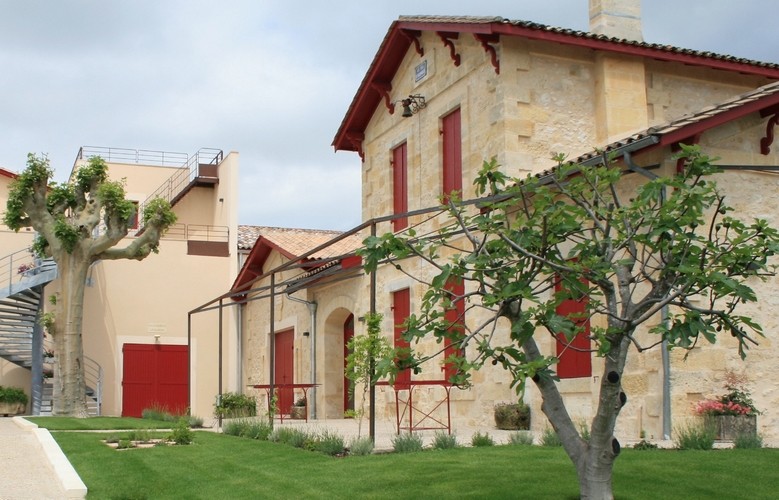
(733, 413)
(13, 401)
(298, 410)
(512, 416)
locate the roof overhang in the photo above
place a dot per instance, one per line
(377, 82)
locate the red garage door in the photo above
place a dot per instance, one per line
(154, 376)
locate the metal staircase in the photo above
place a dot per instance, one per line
(21, 335)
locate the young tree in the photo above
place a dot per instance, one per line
(364, 350)
(78, 223)
(582, 234)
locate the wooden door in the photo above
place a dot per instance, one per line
(283, 372)
(154, 376)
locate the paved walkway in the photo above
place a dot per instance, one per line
(32, 466)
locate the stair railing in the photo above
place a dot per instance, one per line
(93, 378)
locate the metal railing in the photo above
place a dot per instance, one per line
(180, 180)
(93, 378)
(22, 264)
(139, 156)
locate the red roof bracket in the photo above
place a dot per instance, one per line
(693, 139)
(355, 139)
(486, 40)
(413, 36)
(383, 90)
(765, 142)
(447, 37)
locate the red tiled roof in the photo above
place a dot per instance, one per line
(290, 242)
(399, 38)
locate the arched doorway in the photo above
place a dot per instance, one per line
(339, 328)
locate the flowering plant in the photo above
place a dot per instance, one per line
(736, 401)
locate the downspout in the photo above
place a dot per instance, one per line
(663, 316)
(312, 311)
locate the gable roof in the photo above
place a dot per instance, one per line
(291, 243)
(406, 30)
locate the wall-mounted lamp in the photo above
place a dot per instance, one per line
(412, 104)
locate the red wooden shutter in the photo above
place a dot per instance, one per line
(575, 357)
(453, 158)
(401, 308)
(400, 185)
(455, 316)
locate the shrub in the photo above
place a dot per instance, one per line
(12, 395)
(444, 441)
(361, 446)
(248, 428)
(695, 437)
(124, 444)
(142, 435)
(512, 416)
(300, 439)
(480, 439)
(407, 443)
(234, 405)
(550, 438)
(181, 433)
(112, 438)
(330, 443)
(644, 445)
(157, 412)
(290, 436)
(747, 440)
(521, 438)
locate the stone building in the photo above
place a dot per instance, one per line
(445, 93)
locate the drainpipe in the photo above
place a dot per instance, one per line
(663, 316)
(312, 310)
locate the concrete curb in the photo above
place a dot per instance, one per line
(69, 479)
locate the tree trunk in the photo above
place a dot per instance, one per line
(70, 387)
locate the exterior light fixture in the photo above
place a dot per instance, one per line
(412, 104)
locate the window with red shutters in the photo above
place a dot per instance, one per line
(452, 154)
(455, 317)
(400, 186)
(401, 308)
(575, 357)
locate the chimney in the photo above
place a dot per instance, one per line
(616, 18)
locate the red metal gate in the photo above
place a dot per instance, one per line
(154, 375)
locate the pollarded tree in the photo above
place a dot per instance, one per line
(78, 223)
(581, 234)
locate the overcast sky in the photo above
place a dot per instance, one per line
(270, 79)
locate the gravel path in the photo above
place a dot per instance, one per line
(25, 470)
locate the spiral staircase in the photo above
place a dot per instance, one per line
(22, 341)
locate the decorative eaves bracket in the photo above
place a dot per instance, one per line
(692, 140)
(485, 41)
(765, 142)
(384, 89)
(447, 37)
(413, 36)
(355, 139)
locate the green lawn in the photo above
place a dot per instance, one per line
(219, 466)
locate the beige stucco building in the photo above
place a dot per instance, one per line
(135, 329)
(442, 95)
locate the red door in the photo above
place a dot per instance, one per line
(348, 335)
(154, 376)
(284, 369)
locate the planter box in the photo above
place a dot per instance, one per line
(297, 412)
(10, 409)
(728, 427)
